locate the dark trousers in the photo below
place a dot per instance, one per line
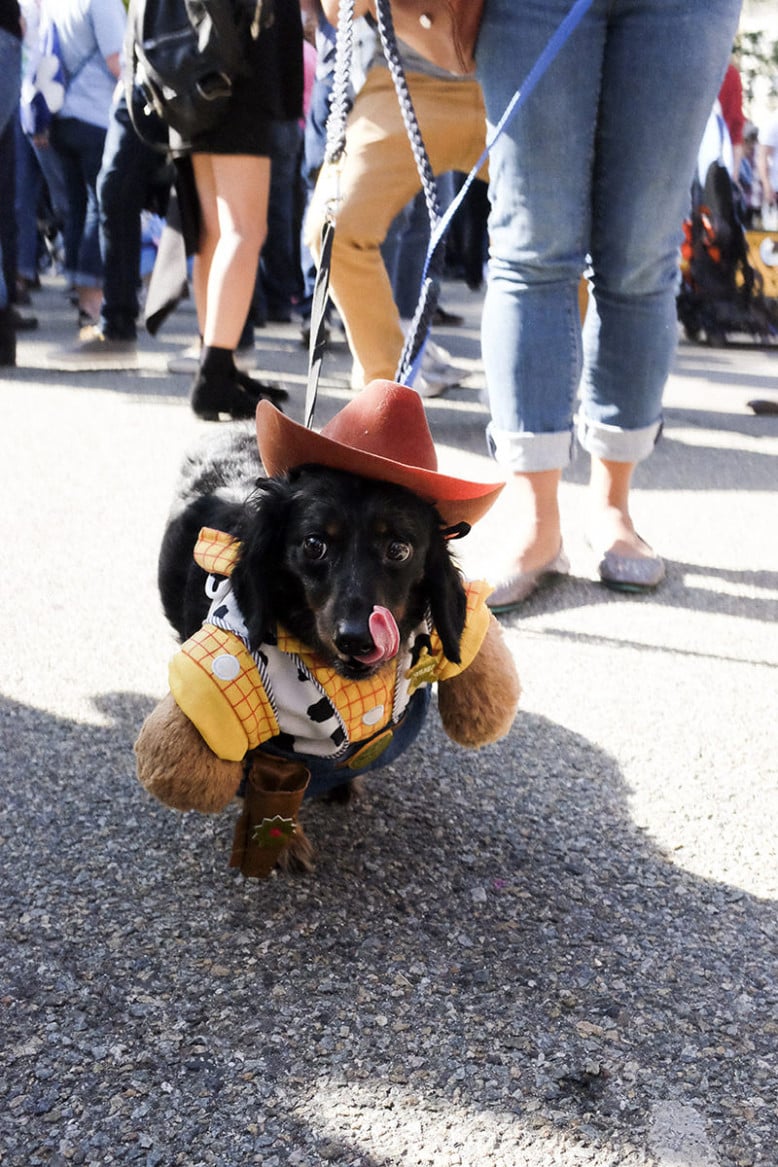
(130, 173)
(80, 146)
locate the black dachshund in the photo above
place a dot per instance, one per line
(317, 603)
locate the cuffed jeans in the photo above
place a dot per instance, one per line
(80, 146)
(377, 179)
(595, 168)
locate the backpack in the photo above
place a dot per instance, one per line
(720, 292)
(185, 56)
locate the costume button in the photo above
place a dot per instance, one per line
(373, 716)
(226, 667)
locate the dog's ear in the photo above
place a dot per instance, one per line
(262, 539)
(447, 599)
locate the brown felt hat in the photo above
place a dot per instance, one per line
(381, 433)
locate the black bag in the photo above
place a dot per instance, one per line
(185, 56)
(720, 291)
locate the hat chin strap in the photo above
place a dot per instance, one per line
(458, 531)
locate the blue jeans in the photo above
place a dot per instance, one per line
(280, 281)
(595, 168)
(10, 82)
(327, 774)
(80, 147)
(35, 166)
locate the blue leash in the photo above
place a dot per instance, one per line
(408, 370)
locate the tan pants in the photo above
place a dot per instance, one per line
(377, 179)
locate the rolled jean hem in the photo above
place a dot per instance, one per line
(529, 453)
(83, 279)
(617, 445)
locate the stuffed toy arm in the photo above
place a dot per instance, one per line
(178, 767)
(477, 706)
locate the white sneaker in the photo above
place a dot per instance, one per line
(189, 360)
(436, 371)
(426, 388)
(186, 362)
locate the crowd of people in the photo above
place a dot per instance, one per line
(580, 183)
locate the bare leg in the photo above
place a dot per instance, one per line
(534, 520)
(233, 192)
(609, 526)
(531, 515)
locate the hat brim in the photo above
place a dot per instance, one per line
(285, 444)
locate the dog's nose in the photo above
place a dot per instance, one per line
(352, 638)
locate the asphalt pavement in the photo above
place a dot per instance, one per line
(558, 951)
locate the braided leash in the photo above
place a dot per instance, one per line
(333, 155)
(429, 292)
(410, 357)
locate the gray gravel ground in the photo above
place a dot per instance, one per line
(560, 951)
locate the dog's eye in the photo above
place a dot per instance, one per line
(399, 552)
(314, 547)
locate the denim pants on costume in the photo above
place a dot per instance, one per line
(10, 82)
(80, 146)
(597, 163)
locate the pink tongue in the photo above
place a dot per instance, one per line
(385, 634)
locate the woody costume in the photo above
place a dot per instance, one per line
(300, 725)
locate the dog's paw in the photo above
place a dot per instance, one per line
(297, 858)
(344, 793)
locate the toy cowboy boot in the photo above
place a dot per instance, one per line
(274, 791)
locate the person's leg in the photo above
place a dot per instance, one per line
(51, 168)
(539, 235)
(631, 326)
(89, 275)
(279, 263)
(75, 209)
(10, 80)
(377, 179)
(8, 219)
(80, 148)
(411, 255)
(233, 193)
(29, 184)
(127, 168)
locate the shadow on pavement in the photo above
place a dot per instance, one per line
(489, 959)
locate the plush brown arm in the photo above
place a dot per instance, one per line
(178, 768)
(478, 706)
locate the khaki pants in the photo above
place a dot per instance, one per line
(376, 180)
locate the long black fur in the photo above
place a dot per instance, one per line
(319, 549)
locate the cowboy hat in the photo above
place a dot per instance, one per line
(381, 433)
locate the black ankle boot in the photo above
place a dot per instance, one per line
(7, 339)
(219, 388)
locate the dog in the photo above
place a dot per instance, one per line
(321, 549)
(310, 578)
